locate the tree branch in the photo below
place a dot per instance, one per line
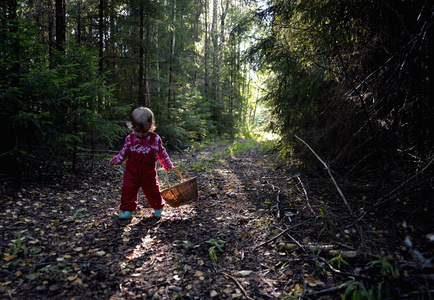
(337, 187)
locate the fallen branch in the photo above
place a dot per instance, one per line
(278, 206)
(305, 194)
(337, 187)
(326, 291)
(330, 174)
(299, 245)
(341, 272)
(239, 285)
(277, 236)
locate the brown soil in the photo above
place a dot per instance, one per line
(61, 237)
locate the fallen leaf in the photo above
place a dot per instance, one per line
(8, 257)
(289, 246)
(72, 278)
(313, 282)
(245, 273)
(298, 288)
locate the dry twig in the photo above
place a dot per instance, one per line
(239, 285)
(277, 236)
(337, 187)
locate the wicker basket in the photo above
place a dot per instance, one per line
(182, 193)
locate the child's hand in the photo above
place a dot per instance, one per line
(112, 163)
(169, 169)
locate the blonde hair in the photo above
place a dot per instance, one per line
(142, 120)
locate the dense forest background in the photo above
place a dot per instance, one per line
(351, 78)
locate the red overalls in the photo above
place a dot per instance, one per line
(141, 173)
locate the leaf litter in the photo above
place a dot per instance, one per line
(61, 236)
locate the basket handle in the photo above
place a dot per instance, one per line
(167, 176)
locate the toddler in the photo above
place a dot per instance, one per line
(142, 148)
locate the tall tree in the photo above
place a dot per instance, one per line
(60, 25)
(171, 61)
(142, 100)
(101, 36)
(51, 27)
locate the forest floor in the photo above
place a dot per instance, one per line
(257, 231)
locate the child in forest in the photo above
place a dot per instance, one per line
(142, 148)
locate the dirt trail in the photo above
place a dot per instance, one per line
(252, 234)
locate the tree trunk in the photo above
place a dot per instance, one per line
(157, 66)
(79, 22)
(205, 54)
(60, 25)
(101, 35)
(220, 50)
(216, 112)
(141, 54)
(51, 26)
(215, 50)
(172, 57)
(146, 60)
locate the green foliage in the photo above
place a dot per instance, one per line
(217, 246)
(241, 146)
(386, 267)
(328, 81)
(55, 107)
(383, 273)
(76, 215)
(340, 261)
(17, 246)
(55, 104)
(356, 290)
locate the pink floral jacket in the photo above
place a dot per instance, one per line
(147, 148)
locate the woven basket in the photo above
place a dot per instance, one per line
(182, 193)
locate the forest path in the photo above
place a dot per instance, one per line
(61, 237)
(253, 233)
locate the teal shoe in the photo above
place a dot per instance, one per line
(159, 212)
(126, 215)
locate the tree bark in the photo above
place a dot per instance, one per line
(79, 22)
(172, 57)
(101, 35)
(141, 55)
(51, 27)
(205, 54)
(225, 9)
(60, 25)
